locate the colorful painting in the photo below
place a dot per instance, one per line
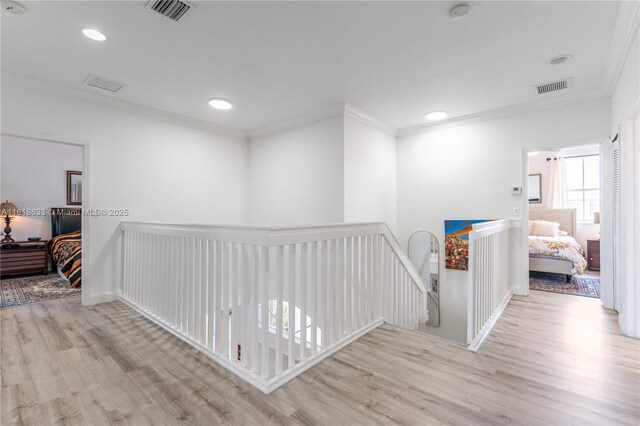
(456, 243)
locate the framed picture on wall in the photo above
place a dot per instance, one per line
(535, 188)
(456, 243)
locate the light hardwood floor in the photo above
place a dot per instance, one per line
(552, 359)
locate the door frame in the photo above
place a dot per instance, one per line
(86, 294)
(523, 288)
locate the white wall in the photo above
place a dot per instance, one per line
(160, 171)
(627, 87)
(296, 175)
(466, 172)
(34, 177)
(369, 174)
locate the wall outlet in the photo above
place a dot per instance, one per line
(516, 211)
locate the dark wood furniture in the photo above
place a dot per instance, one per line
(593, 255)
(30, 257)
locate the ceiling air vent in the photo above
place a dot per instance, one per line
(172, 9)
(103, 83)
(553, 86)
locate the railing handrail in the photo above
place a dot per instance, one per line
(269, 236)
(487, 228)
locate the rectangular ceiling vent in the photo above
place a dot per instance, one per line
(553, 86)
(172, 9)
(103, 83)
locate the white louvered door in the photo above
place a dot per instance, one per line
(615, 212)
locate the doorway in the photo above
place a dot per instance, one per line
(44, 188)
(563, 195)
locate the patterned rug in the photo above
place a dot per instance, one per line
(22, 291)
(556, 283)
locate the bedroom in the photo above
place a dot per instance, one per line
(41, 186)
(564, 192)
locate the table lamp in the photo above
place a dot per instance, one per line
(596, 220)
(8, 210)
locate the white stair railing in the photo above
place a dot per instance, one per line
(268, 303)
(489, 290)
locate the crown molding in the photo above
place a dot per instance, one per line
(508, 111)
(333, 111)
(342, 109)
(20, 81)
(368, 119)
(623, 36)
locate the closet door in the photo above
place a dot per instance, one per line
(615, 212)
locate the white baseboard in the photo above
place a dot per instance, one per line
(94, 299)
(486, 329)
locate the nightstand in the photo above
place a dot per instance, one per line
(30, 257)
(593, 255)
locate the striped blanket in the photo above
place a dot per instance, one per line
(66, 250)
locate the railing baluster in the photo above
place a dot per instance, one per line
(349, 297)
(360, 277)
(264, 289)
(279, 307)
(291, 284)
(233, 314)
(304, 258)
(324, 292)
(218, 295)
(255, 284)
(211, 299)
(227, 267)
(340, 288)
(244, 292)
(314, 292)
(331, 285)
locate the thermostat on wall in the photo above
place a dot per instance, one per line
(516, 190)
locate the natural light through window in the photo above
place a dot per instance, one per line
(583, 184)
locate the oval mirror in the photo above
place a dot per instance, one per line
(424, 254)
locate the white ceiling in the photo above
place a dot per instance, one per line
(275, 61)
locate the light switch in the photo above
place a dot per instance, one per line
(516, 211)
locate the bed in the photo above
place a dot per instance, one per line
(65, 245)
(556, 255)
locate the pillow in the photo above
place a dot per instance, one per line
(563, 233)
(544, 228)
(532, 224)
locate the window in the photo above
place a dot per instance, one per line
(583, 183)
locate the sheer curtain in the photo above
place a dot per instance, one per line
(559, 194)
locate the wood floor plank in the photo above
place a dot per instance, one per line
(551, 359)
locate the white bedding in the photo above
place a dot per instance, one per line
(565, 247)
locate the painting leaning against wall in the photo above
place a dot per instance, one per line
(456, 243)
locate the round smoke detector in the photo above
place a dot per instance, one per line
(13, 7)
(560, 59)
(459, 12)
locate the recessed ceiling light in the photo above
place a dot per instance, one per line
(93, 34)
(560, 59)
(532, 153)
(458, 12)
(435, 115)
(13, 7)
(219, 103)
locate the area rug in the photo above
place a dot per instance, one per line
(556, 283)
(22, 291)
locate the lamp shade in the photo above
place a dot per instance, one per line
(596, 217)
(8, 209)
